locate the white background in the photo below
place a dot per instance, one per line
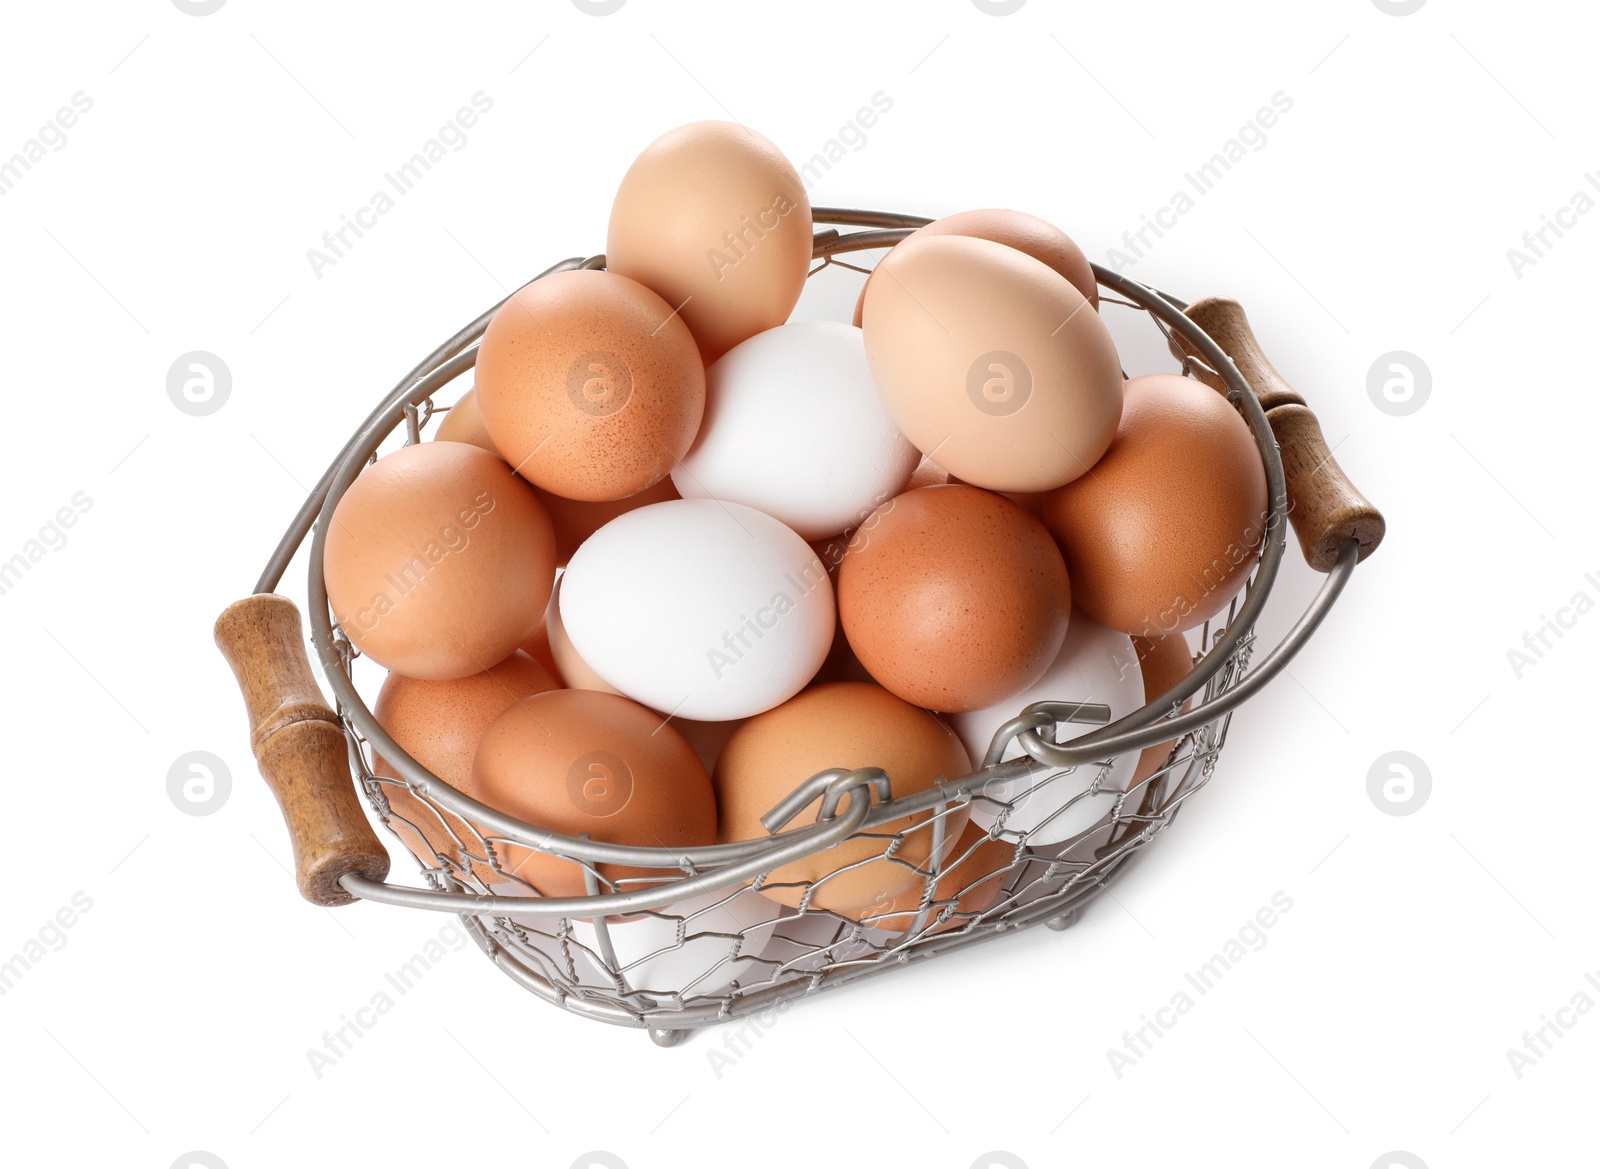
(178, 1011)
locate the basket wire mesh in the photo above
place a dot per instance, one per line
(695, 940)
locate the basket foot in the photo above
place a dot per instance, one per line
(1062, 921)
(666, 1037)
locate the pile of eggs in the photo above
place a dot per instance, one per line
(675, 553)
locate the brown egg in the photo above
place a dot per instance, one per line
(590, 385)
(576, 520)
(463, 422)
(439, 561)
(991, 362)
(574, 671)
(974, 877)
(850, 725)
(1026, 233)
(1163, 533)
(954, 598)
(714, 218)
(439, 724)
(1164, 663)
(579, 762)
(537, 647)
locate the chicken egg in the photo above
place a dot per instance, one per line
(1026, 233)
(578, 762)
(590, 385)
(715, 219)
(699, 608)
(1164, 533)
(463, 422)
(991, 362)
(439, 561)
(953, 598)
(795, 428)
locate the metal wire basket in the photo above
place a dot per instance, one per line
(693, 941)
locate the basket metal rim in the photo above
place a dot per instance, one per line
(1134, 731)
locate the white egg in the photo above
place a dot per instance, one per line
(1095, 664)
(795, 427)
(722, 937)
(699, 608)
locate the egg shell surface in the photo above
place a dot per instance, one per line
(1027, 234)
(699, 608)
(715, 219)
(590, 385)
(439, 561)
(954, 598)
(579, 762)
(1163, 534)
(991, 362)
(794, 427)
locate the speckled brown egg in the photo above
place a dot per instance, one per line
(1164, 662)
(439, 724)
(714, 218)
(850, 725)
(954, 598)
(439, 561)
(590, 385)
(579, 762)
(972, 882)
(575, 520)
(1165, 530)
(1016, 229)
(463, 422)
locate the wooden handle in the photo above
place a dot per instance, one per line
(1324, 506)
(300, 748)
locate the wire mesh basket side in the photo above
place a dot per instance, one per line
(738, 950)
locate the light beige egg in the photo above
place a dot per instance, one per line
(715, 219)
(991, 362)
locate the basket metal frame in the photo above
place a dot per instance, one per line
(848, 797)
